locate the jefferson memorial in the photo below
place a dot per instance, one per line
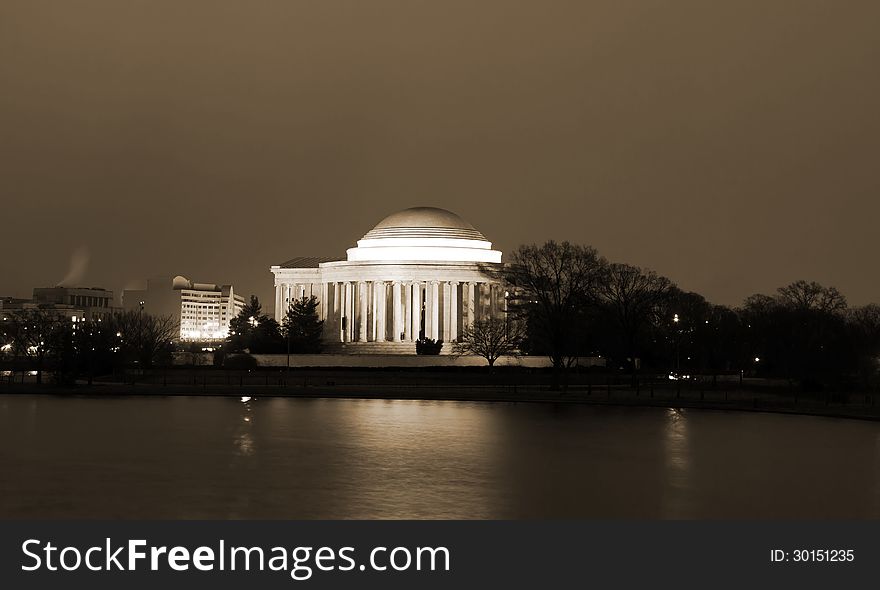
(419, 273)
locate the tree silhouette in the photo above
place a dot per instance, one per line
(252, 330)
(143, 338)
(489, 338)
(801, 333)
(811, 295)
(551, 287)
(634, 296)
(302, 327)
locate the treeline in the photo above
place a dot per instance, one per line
(574, 303)
(45, 340)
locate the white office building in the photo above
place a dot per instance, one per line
(203, 309)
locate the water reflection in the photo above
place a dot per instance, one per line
(677, 464)
(244, 440)
(247, 457)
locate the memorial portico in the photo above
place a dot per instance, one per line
(420, 273)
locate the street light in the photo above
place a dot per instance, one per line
(675, 320)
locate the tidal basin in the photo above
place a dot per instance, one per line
(279, 458)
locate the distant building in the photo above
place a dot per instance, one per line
(11, 303)
(203, 309)
(95, 303)
(74, 303)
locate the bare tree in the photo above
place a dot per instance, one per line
(489, 338)
(551, 286)
(143, 337)
(800, 332)
(812, 296)
(634, 296)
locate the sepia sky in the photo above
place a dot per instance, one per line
(733, 146)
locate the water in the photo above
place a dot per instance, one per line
(216, 457)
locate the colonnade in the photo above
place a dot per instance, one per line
(397, 311)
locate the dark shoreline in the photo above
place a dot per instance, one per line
(484, 394)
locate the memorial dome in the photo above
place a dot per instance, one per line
(424, 222)
(424, 233)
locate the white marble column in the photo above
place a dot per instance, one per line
(362, 311)
(407, 311)
(349, 311)
(446, 316)
(453, 311)
(395, 311)
(322, 304)
(340, 308)
(371, 306)
(470, 301)
(381, 310)
(416, 308)
(279, 307)
(435, 310)
(328, 312)
(429, 305)
(489, 300)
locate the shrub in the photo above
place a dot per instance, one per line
(428, 346)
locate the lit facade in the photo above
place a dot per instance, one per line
(421, 272)
(202, 309)
(205, 311)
